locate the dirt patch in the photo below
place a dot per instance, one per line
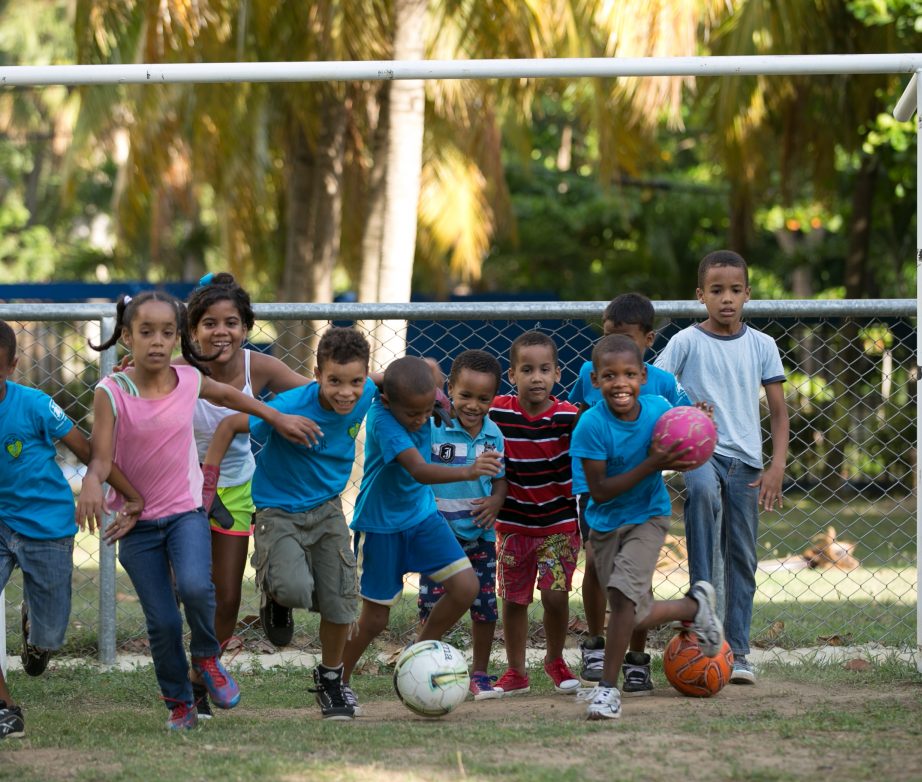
(57, 765)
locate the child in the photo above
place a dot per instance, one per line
(536, 531)
(398, 527)
(723, 362)
(143, 422)
(471, 507)
(303, 555)
(37, 518)
(619, 464)
(632, 315)
(220, 319)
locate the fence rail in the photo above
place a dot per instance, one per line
(837, 562)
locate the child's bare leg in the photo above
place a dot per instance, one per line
(372, 621)
(515, 634)
(593, 597)
(5, 693)
(556, 616)
(332, 642)
(663, 611)
(482, 643)
(228, 558)
(639, 640)
(620, 628)
(461, 590)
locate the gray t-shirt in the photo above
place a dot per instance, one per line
(727, 372)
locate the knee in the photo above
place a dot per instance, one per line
(374, 621)
(193, 592)
(292, 594)
(466, 587)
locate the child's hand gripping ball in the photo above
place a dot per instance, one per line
(691, 431)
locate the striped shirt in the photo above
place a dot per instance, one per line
(540, 498)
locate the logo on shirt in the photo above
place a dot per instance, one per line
(56, 411)
(13, 446)
(447, 452)
(354, 429)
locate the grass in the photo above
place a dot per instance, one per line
(803, 722)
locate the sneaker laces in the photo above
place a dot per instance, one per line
(483, 680)
(559, 671)
(211, 665)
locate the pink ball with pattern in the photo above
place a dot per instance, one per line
(691, 427)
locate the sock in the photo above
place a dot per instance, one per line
(330, 673)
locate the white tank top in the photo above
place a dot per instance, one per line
(238, 464)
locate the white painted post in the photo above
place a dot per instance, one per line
(918, 102)
(3, 632)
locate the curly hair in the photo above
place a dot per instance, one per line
(341, 345)
(476, 361)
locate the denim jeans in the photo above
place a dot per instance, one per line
(721, 528)
(46, 567)
(154, 553)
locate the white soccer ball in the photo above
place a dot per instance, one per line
(431, 678)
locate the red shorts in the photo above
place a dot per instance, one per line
(520, 559)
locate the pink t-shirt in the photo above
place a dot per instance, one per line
(154, 445)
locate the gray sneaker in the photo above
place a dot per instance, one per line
(743, 672)
(706, 625)
(604, 703)
(592, 663)
(636, 674)
(352, 700)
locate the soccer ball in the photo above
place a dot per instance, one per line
(431, 678)
(690, 672)
(691, 427)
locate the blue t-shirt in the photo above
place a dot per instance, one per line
(390, 499)
(35, 499)
(659, 383)
(452, 444)
(294, 477)
(622, 445)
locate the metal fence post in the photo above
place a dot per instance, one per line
(918, 366)
(107, 602)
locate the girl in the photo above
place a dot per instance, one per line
(143, 422)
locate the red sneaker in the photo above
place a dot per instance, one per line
(512, 683)
(563, 678)
(183, 716)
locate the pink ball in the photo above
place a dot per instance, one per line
(692, 428)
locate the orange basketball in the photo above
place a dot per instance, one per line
(690, 672)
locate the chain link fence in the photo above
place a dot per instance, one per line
(837, 563)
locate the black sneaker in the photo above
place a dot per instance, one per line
(34, 660)
(593, 660)
(330, 695)
(200, 698)
(277, 622)
(636, 674)
(12, 725)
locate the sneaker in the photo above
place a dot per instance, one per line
(604, 703)
(183, 717)
(277, 623)
(12, 725)
(636, 674)
(562, 676)
(34, 660)
(593, 662)
(481, 686)
(512, 683)
(221, 686)
(352, 700)
(706, 625)
(202, 704)
(329, 694)
(743, 672)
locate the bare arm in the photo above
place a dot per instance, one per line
(773, 476)
(488, 463)
(227, 430)
(603, 488)
(489, 507)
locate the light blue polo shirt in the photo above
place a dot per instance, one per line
(390, 499)
(659, 383)
(295, 477)
(452, 445)
(622, 445)
(35, 499)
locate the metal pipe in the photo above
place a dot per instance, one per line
(107, 602)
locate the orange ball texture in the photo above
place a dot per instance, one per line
(690, 672)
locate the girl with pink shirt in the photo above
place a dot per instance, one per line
(143, 423)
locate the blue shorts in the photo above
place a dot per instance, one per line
(46, 567)
(384, 558)
(482, 555)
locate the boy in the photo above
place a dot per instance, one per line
(536, 530)
(471, 507)
(398, 527)
(37, 524)
(632, 315)
(619, 464)
(723, 362)
(303, 556)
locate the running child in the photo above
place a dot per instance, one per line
(726, 363)
(303, 555)
(537, 538)
(619, 464)
(398, 527)
(37, 515)
(632, 315)
(143, 423)
(471, 507)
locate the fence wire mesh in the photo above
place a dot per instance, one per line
(837, 563)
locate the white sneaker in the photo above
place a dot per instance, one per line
(706, 625)
(604, 703)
